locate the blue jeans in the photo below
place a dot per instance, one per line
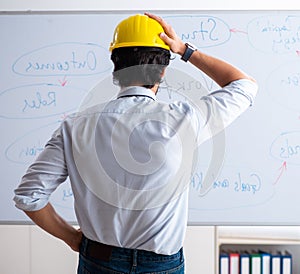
(118, 260)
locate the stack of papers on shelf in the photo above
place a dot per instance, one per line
(255, 262)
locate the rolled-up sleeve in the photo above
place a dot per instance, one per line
(43, 176)
(220, 108)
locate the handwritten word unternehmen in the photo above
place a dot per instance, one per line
(40, 101)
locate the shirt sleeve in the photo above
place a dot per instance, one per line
(220, 108)
(43, 176)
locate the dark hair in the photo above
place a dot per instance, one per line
(142, 65)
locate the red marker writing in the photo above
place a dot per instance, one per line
(282, 169)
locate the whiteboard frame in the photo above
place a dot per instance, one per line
(125, 11)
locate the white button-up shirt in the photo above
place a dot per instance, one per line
(129, 162)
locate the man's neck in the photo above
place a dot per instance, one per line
(155, 88)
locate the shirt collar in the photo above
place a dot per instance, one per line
(136, 91)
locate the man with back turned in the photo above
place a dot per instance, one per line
(129, 160)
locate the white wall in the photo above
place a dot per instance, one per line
(77, 5)
(29, 250)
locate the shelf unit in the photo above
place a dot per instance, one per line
(269, 239)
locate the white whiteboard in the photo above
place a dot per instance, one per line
(49, 62)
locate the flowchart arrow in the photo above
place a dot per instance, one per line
(282, 170)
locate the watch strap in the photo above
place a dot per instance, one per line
(188, 52)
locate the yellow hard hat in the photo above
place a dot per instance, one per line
(138, 31)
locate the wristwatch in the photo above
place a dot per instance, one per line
(188, 52)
